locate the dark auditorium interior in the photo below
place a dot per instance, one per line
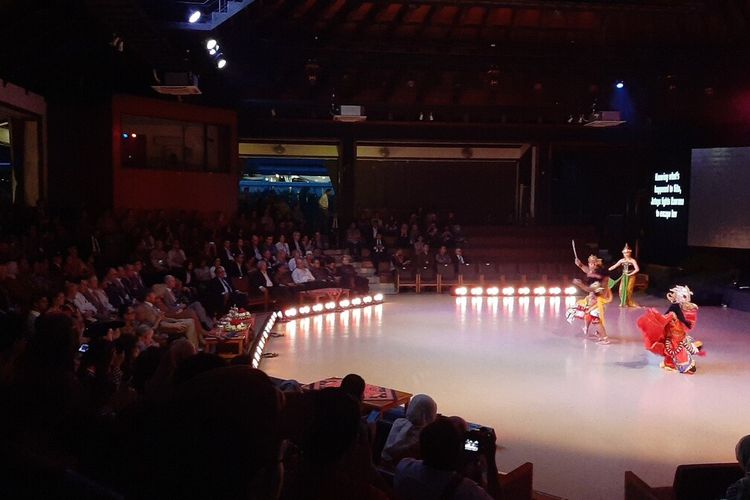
(185, 183)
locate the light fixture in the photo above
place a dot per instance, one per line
(356, 302)
(477, 290)
(555, 290)
(493, 290)
(378, 297)
(571, 290)
(330, 306)
(367, 299)
(304, 310)
(133, 135)
(291, 312)
(211, 44)
(344, 303)
(620, 84)
(213, 51)
(125, 135)
(194, 16)
(317, 308)
(524, 290)
(540, 290)
(221, 63)
(509, 290)
(462, 290)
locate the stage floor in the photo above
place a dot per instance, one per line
(583, 413)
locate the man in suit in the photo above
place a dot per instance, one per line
(147, 313)
(220, 295)
(225, 254)
(180, 310)
(236, 268)
(296, 243)
(378, 253)
(134, 282)
(459, 260)
(262, 281)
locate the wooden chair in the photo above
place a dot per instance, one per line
(447, 275)
(406, 278)
(489, 274)
(691, 482)
(517, 484)
(428, 278)
(468, 274)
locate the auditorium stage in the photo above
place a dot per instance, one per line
(582, 413)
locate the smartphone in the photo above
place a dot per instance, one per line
(83, 348)
(373, 417)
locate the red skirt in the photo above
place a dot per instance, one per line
(653, 326)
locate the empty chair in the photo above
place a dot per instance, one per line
(489, 273)
(406, 278)
(447, 274)
(468, 274)
(508, 271)
(691, 482)
(428, 278)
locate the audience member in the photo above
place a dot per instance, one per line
(403, 440)
(740, 490)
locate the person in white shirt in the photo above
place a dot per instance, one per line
(176, 256)
(282, 245)
(301, 273)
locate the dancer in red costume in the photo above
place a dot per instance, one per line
(667, 334)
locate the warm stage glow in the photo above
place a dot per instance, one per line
(317, 308)
(291, 312)
(493, 290)
(330, 306)
(462, 290)
(356, 302)
(571, 290)
(344, 303)
(477, 290)
(304, 310)
(524, 290)
(509, 290)
(555, 290)
(367, 299)
(540, 290)
(378, 297)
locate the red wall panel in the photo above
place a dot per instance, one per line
(156, 189)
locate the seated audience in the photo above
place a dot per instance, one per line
(740, 490)
(349, 279)
(403, 440)
(438, 474)
(220, 295)
(442, 258)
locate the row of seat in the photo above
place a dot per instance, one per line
(446, 276)
(691, 482)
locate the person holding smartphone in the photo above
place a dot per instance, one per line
(439, 475)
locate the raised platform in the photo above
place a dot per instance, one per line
(582, 413)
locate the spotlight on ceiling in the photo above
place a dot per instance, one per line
(194, 16)
(620, 84)
(211, 44)
(221, 62)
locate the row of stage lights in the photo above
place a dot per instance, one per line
(331, 306)
(261, 345)
(510, 291)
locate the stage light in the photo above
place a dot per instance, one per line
(133, 136)
(211, 44)
(367, 299)
(461, 290)
(555, 290)
(571, 290)
(304, 310)
(378, 297)
(620, 84)
(344, 303)
(317, 308)
(509, 290)
(330, 306)
(194, 17)
(356, 302)
(524, 290)
(493, 290)
(477, 290)
(540, 290)
(291, 312)
(221, 63)
(125, 135)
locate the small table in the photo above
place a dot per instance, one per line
(229, 346)
(377, 398)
